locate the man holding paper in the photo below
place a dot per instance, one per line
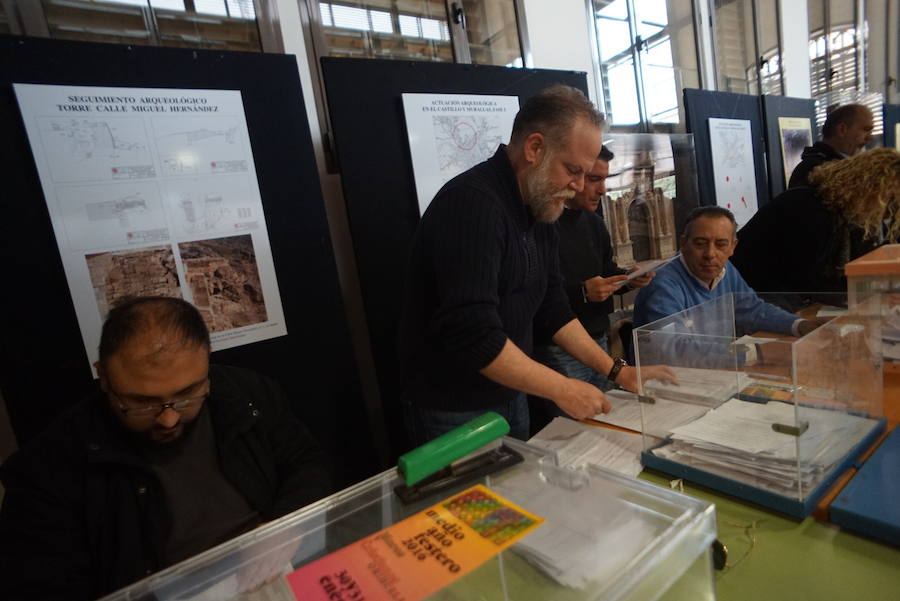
(590, 274)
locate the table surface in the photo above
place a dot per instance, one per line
(794, 560)
(800, 560)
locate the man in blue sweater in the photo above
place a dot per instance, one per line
(703, 272)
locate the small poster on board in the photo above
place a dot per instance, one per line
(796, 134)
(731, 145)
(153, 192)
(450, 133)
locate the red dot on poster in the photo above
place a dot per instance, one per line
(213, 163)
(727, 179)
(114, 170)
(729, 205)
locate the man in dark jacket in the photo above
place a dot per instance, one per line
(846, 131)
(483, 281)
(590, 278)
(172, 457)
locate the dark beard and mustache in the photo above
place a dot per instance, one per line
(542, 196)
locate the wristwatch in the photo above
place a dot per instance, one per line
(618, 364)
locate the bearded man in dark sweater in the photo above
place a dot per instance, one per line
(483, 281)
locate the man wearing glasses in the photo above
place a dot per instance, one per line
(171, 457)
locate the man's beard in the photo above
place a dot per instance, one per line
(543, 198)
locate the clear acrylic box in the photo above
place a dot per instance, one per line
(767, 417)
(878, 272)
(610, 536)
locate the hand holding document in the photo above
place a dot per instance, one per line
(646, 268)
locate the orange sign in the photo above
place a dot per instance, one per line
(420, 555)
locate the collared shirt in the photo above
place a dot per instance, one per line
(795, 327)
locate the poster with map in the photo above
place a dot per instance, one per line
(449, 133)
(153, 192)
(731, 145)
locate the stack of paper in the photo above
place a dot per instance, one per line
(586, 537)
(736, 440)
(578, 445)
(709, 387)
(659, 418)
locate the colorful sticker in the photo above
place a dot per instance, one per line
(419, 555)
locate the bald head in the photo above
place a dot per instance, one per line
(848, 128)
(148, 329)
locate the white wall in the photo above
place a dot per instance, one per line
(795, 49)
(560, 37)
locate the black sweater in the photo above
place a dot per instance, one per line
(481, 271)
(585, 251)
(812, 157)
(796, 244)
(83, 515)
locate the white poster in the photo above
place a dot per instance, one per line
(796, 135)
(449, 133)
(153, 192)
(731, 145)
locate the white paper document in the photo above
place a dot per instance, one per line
(450, 133)
(646, 268)
(587, 537)
(661, 417)
(153, 191)
(579, 445)
(737, 440)
(731, 146)
(710, 387)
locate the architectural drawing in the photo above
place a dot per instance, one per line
(199, 145)
(88, 149)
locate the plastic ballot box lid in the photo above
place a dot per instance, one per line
(531, 531)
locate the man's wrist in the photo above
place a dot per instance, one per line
(618, 364)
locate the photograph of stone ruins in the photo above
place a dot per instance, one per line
(224, 281)
(639, 206)
(145, 272)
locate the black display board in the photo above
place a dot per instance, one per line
(701, 105)
(783, 106)
(45, 368)
(369, 129)
(891, 118)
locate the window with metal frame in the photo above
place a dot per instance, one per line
(640, 75)
(468, 31)
(215, 24)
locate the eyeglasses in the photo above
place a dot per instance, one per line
(156, 409)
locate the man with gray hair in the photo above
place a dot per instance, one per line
(846, 131)
(483, 280)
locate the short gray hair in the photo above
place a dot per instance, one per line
(553, 112)
(708, 211)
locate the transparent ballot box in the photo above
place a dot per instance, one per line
(601, 536)
(758, 414)
(878, 272)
